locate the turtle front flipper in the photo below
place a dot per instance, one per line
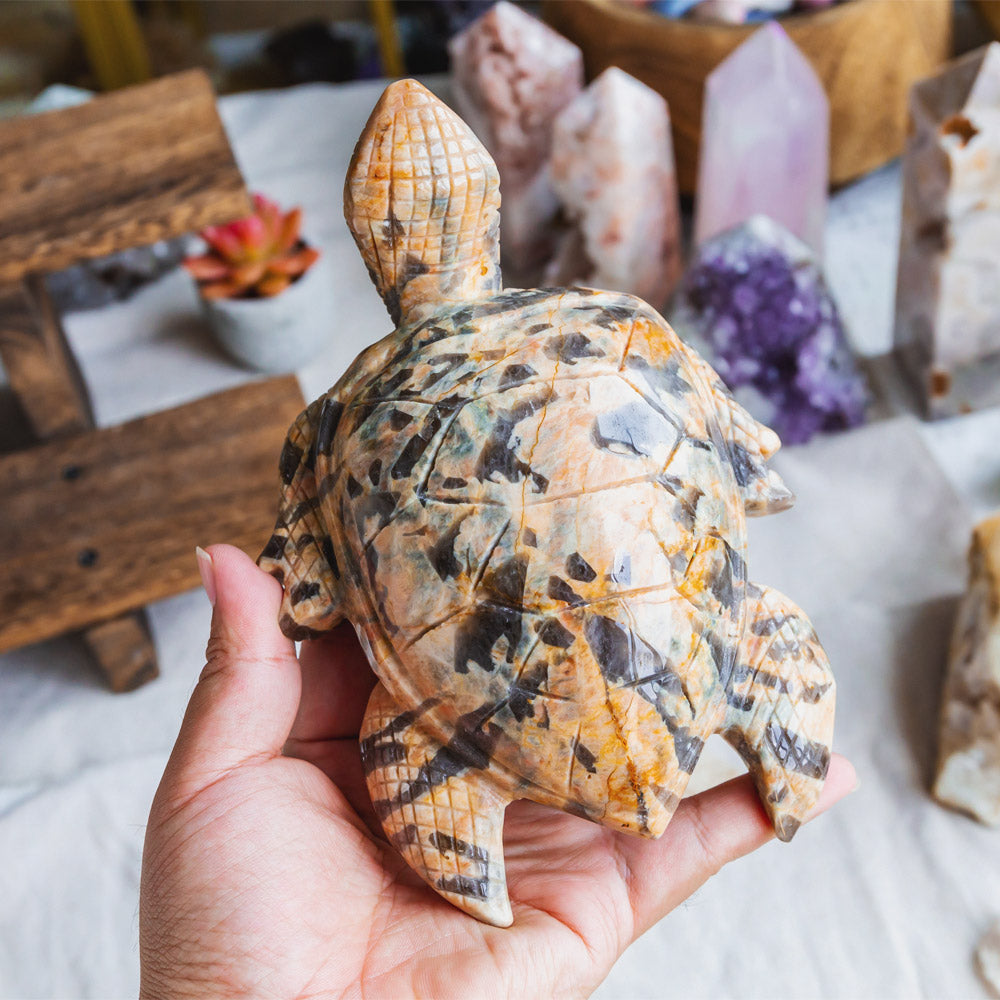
(781, 702)
(750, 444)
(438, 807)
(422, 200)
(300, 554)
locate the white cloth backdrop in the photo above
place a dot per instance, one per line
(884, 897)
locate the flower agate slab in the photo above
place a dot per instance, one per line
(968, 773)
(754, 301)
(613, 170)
(512, 75)
(948, 288)
(765, 145)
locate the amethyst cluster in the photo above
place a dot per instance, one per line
(754, 303)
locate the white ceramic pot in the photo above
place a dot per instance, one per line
(278, 334)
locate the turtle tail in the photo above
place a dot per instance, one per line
(422, 200)
(300, 554)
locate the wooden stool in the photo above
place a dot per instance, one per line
(96, 523)
(93, 526)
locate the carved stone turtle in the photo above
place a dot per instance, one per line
(531, 505)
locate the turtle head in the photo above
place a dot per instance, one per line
(422, 200)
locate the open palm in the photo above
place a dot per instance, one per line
(265, 873)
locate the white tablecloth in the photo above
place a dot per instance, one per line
(883, 897)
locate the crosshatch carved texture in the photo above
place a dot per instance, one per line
(531, 505)
(126, 169)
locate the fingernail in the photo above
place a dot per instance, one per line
(207, 570)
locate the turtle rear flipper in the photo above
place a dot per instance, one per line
(438, 808)
(781, 702)
(300, 554)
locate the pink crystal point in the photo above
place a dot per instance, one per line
(765, 140)
(613, 169)
(512, 75)
(755, 305)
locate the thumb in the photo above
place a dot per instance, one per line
(246, 699)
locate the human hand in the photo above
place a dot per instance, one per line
(265, 872)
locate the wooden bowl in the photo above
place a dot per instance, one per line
(867, 53)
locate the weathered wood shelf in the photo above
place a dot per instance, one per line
(99, 524)
(125, 169)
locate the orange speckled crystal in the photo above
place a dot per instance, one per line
(613, 169)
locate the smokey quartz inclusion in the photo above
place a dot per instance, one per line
(755, 304)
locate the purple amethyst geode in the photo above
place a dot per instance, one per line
(755, 304)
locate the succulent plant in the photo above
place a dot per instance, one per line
(255, 257)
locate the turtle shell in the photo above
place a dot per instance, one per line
(531, 504)
(534, 500)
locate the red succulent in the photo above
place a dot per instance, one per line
(255, 257)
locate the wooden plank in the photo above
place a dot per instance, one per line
(40, 367)
(124, 651)
(990, 12)
(45, 377)
(99, 524)
(126, 169)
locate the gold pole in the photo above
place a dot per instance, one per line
(384, 17)
(113, 41)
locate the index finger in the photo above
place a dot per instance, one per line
(708, 831)
(336, 683)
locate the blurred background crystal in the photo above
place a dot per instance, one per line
(968, 767)
(755, 304)
(511, 76)
(988, 957)
(613, 171)
(948, 286)
(765, 141)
